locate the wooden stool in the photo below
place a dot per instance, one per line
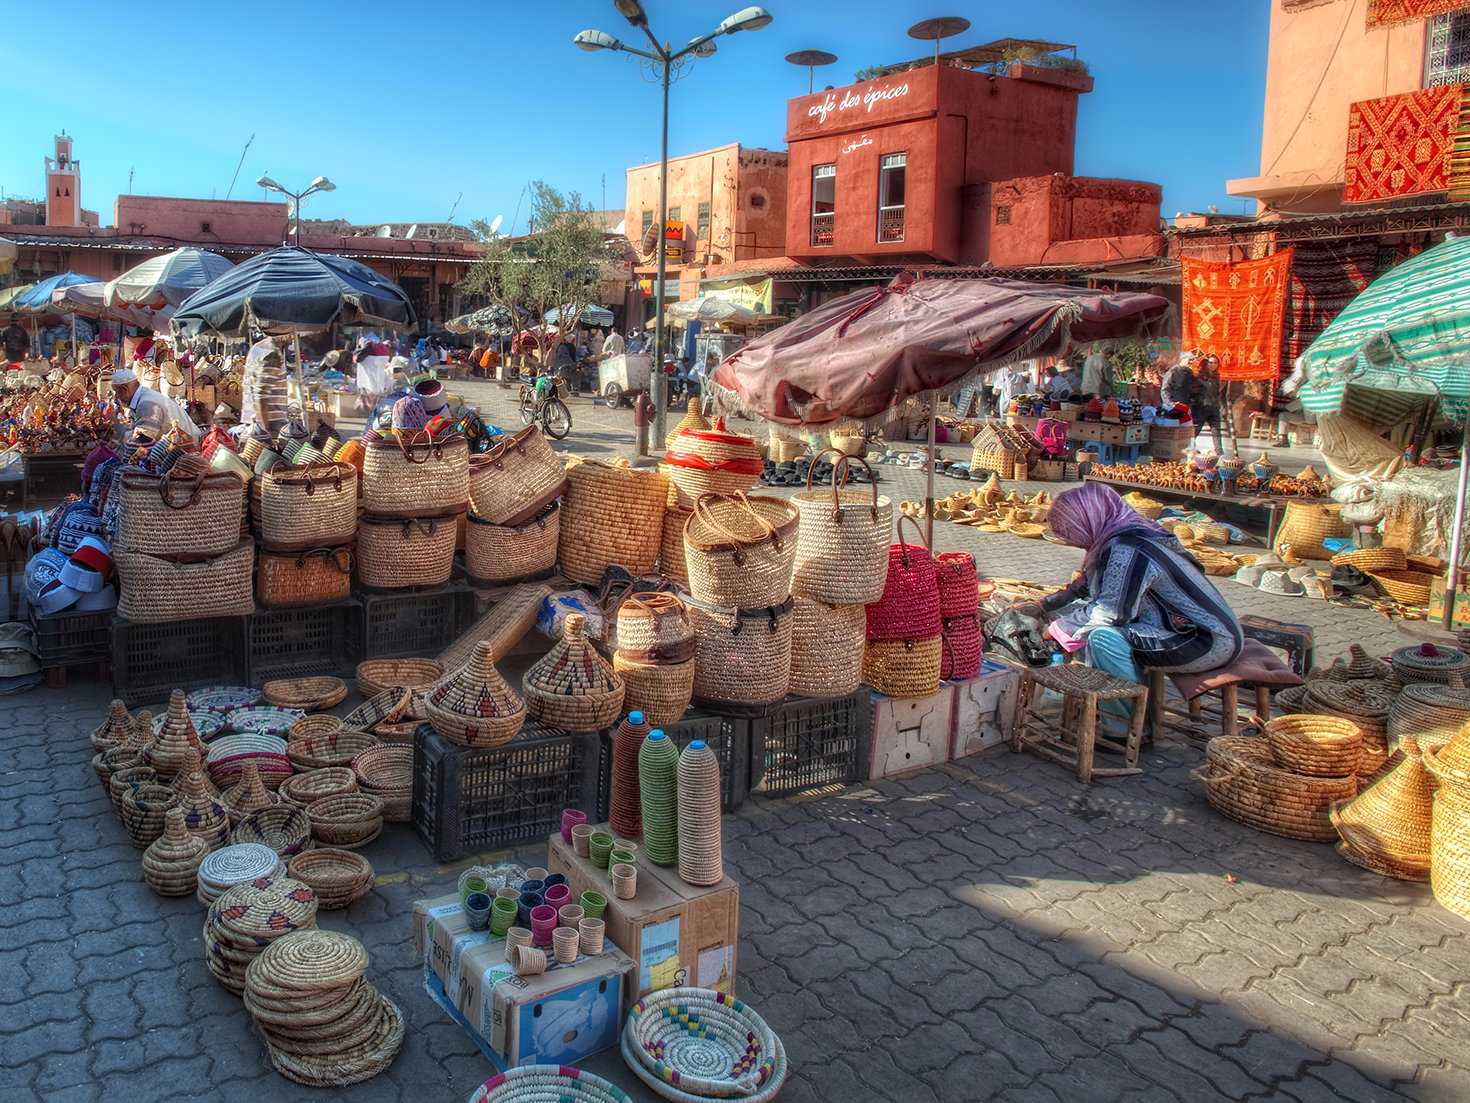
(1295, 639)
(1256, 668)
(1074, 738)
(1263, 427)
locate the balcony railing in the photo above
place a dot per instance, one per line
(822, 226)
(890, 224)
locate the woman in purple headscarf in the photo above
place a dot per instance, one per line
(1141, 602)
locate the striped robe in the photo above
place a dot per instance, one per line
(1159, 598)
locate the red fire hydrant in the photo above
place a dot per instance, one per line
(642, 418)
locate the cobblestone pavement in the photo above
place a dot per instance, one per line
(985, 930)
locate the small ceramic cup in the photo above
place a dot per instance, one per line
(477, 910)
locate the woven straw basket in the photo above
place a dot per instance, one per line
(393, 554)
(175, 514)
(414, 474)
(693, 420)
(156, 588)
(671, 562)
(909, 607)
(661, 691)
(510, 553)
(572, 687)
(314, 577)
(1243, 782)
(1306, 525)
(826, 647)
(516, 479)
(711, 461)
(1318, 746)
(842, 541)
(742, 657)
(904, 668)
(611, 516)
(313, 506)
(739, 551)
(473, 706)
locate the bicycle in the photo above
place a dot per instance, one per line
(541, 400)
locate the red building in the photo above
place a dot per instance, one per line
(948, 164)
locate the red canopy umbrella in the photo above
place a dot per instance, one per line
(864, 354)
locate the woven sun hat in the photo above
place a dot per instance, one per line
(1280, 582)
(409, 413)
(1249, 575)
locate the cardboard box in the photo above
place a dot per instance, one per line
(675, 933)
(984, 709)
(1461, 602)
(910, 733)
(562, 1016)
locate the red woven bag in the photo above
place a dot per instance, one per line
(909, 607)
(959, 585)
(959, 655)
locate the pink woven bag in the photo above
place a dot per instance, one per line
(909, 607)
(959, 585)
(959, 656)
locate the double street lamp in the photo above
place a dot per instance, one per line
(666, 62)
(321, 183)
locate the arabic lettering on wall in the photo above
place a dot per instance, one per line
(850, 100)
(856, 144)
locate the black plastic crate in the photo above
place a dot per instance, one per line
(301, 643)
(808, 743)
(471, 799)
(728, 736)
(418, 623)
(71, 639)
(150, 660)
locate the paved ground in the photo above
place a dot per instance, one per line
(984, 930)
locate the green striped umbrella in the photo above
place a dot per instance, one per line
(1404, 339)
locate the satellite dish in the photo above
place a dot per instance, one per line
(385, 231)
(495, 224)
(944, 26)
(412, 230)
(810, 59)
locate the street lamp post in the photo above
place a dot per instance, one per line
(321, 183)
(666, 62)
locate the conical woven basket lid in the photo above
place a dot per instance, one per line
(1392, 815)
(693, 420)
(142, 734)
(1362, 665)
(116, 729)
(476, 690)
(175, 844)
(1454, 756)
(573, 668)
(249, 794)
(176, 739)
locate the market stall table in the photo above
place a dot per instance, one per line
(1274, 504)
(41, 466)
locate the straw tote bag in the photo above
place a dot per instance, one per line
(842, 540)
(739, 551)
(742, 657)
(826, 648)
(515, 480)
(181, 513)
(611, 516)
(157, 588)
(310, 506)
(909, 607)
(316, 577)
(510, 553)
(393, 554)
(415, 474)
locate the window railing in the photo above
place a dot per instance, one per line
(890, 224)
(822, 227)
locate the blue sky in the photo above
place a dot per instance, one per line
(406, 106)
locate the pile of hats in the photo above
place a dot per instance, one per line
(323, 1023)
(425, 408)
(246, 919)
(81, 582)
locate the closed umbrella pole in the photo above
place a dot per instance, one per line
(929, 486)
(1457, 534)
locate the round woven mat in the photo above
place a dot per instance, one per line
(309, 961)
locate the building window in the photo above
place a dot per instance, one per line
(703, 229)
(676, 214)
(647, 221)
(892, 168)
(1447, 50)
(824, 203)
(1002, 215)
(757, 201)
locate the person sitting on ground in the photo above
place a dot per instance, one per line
(1141, 602)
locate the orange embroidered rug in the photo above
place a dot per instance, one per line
(1236, 311)
(1385, 13)
(1400, 145)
